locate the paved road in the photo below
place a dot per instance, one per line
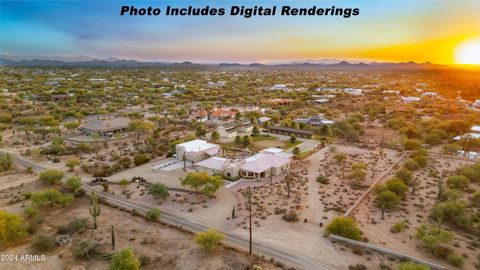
(230, 239)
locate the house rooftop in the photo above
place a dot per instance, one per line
(197, 145)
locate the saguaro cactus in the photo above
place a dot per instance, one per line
(113, 238)
(94, 208)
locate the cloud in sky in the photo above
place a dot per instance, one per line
(398, 30)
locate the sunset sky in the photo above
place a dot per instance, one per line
(443, 31)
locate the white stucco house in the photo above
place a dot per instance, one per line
(196, 150)
(271, 161)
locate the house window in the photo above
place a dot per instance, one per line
(228, 174)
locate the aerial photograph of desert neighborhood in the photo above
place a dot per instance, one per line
(123, 150)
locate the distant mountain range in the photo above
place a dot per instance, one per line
(324, 64)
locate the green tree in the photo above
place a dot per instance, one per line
(200, 131)
(202, 183)
(458, 181)
(346, 227)
(411, 165)
(158, 190)
(451, 149)
(238, 140)
(153, 215)
(293, 138)
(296, 151)
(72, 163)
(433, 237)
(255, 131)
(141, 127)
(397, 186)
(215, 136)
(450, 212)
(6, 162)
(209, 240)
(124, 260)
(12, 229)
(51, 176)
(387, 200)
(405, 175)
(74, 182)
(246, 141)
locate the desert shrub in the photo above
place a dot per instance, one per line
(322, 179)
(398, 227)
(397, 186)
(344, 226)
(449, 211)
(411, 165)
(51, 176)
(140, 159)
(73, 183)
(86, 250)
(75, 225)
(432, 237)
(31, 211)
(475, 200)
(456, 260)
(12, 229)
(412, 266)
(50, 197)
(124, 260)
(124, 162)
(357, 267)
(471, 172)
(357, 175)
(412, 144)
(458, 181)
(405, 175)
(290, 217)
(209, 240)
(387, 200)
(158, 190)
(79, 192)
(6, 162)
(144, 260)
(153, 215)
(43, 242)
(203, 183)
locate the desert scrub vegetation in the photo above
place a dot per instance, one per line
(153, 215)
(209, 240)
(51, 197)
(43, 242)
(75, 225)
(51, 176)
(412, 266)
(12, 229)
(124, 260)
(346, 227)
(158, 190)
(6, 162)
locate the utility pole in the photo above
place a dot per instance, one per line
(250, 210)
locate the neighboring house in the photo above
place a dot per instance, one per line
(476, 105)
(411, 99)
(282, 87)
(314, 120)
(231, 129)
(218, 114)
(353, 91)
(106, 128)
(321, 100)
(474, 134)
(196, 150)
(263, 119)
(289, 131)
(429, 94)
(271, 161)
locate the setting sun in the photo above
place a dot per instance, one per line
(468, 52)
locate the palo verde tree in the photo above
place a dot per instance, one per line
(202, 182)
(94, 208)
